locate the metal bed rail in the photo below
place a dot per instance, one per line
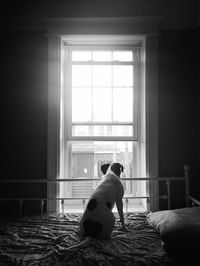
(42, 200)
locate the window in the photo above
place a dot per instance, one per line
(69, 33)
(102, 118)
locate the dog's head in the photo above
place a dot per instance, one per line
(117, 168)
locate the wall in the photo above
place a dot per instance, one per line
(24, 112)
(24, 88)
(198, 75)
(178, 106)
(177, 14)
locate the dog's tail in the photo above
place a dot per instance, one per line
(81, 244)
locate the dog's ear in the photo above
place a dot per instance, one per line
(117, 168)
(104, 168)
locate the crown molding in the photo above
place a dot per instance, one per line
(106, 25)
(103, 25)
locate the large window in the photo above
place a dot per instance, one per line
(102, 118)
(99, 71)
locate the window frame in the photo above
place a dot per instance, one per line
(101, 46)
(130, 28)
(66, 91)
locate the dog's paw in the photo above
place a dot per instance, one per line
(124, 228)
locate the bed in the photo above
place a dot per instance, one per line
(44, 241)
(168, 237)
(36, 241)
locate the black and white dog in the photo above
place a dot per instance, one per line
(98, 220)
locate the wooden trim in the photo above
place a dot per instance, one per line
(54, 83)
(152, 114)
(102, 123)
(102, 138)
(103, 25)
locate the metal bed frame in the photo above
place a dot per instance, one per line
(167, 196)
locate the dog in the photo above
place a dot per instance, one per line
(98, 220)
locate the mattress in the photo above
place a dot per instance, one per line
(44, 241)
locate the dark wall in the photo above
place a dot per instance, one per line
(178, 107)
(198, 75)
(23, 112)
(30, 13)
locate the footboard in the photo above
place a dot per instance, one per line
(189, 200)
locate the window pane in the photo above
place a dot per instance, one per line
(123, 98)
(126, 56)
(81, 76)
(104, 130)
(102, 76)
(102, 55)
(81, 104)
(123, 76)
(81, 55)
(102, 99)
(87, 157)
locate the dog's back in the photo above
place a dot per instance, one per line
(97, 223)
(98, 219)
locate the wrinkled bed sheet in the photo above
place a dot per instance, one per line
(44, 241)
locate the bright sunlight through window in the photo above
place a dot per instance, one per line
(100, 121)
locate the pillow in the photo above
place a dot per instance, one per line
(179, 229)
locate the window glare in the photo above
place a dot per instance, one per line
(123, 97)
(102, 56)
(123, 56)
(101, 103)
(81, 104)
(102, 130)
(102, 95)
(123, 75)
(102, 75)
(106, 56)
(81, 55)
(81, 76)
